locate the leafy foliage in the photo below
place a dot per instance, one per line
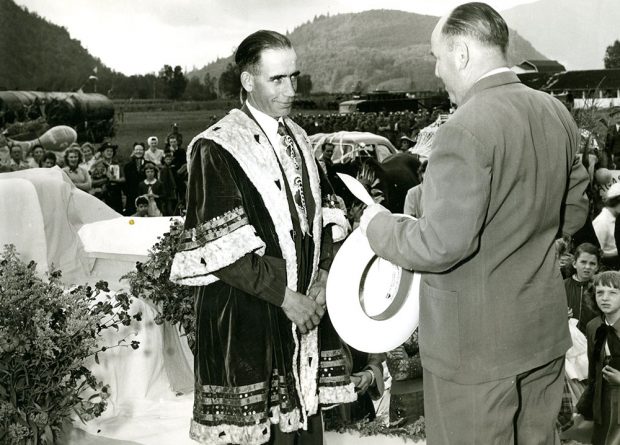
(612, 55)
(415, 431)
(46, 334)
(174, 81)
(151, 281)
(229, 83)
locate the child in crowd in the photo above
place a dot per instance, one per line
(142, 206)
(586, 263)
(153, 154)
(49, 160)
(152, 188)
(168, 182)
(601, 399)
(99, 180)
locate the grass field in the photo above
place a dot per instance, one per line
(138, 126)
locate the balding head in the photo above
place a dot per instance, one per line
(468, 42)
(479, 22)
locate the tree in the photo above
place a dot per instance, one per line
(173, 81)
(210, 86)
(304, 85)
(229, 83)
(612, 55)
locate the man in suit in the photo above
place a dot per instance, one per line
(612, 141)
(255, 248)
(502, 183)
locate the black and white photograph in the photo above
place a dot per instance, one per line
(309, 223)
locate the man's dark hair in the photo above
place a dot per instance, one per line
(479, 21)
(141, 200)
(249, 51)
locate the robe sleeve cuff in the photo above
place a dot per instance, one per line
(213, 245)
(337, 219)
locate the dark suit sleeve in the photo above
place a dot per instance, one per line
(576, 204)
(261, 276)
(455, 199)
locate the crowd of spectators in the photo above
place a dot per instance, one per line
(151, 183)
(392, 125)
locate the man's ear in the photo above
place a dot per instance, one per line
(461, 54)
(247, 81)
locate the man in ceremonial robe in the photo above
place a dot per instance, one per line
(502, 183)
(254, 245)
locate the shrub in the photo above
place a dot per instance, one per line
(46, 334)
(150, 281)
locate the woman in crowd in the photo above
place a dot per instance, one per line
(134, 175)
(88, 154)
(116, 178)
(154, 154)
(78, 175)
(152, 189)
(35, 157)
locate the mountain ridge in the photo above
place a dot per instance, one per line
(377, 48)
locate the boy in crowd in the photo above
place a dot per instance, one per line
(586, 264)
(142, 207)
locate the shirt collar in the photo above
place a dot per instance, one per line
(502, 69)
(267, 123)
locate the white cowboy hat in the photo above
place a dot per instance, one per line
(372, 303)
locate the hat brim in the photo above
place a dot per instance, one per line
(399, 311)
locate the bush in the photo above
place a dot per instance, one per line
(46, 334)
(150, 281)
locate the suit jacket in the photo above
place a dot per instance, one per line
(502, 183)
(612, 141)
(590, 402)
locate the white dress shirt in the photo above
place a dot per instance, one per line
(604, 225)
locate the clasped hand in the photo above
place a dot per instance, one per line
(302, 310)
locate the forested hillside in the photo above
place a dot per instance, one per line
(379, 49)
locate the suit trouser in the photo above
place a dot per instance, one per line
(520, 410)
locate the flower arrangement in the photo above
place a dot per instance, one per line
(46, 334)
(151, 281)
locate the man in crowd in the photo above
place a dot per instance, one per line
(612, 140)
(254, 245)
(326, 162)
(17, 158)
(493, 329)
(178, 136)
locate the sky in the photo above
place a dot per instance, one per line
(141, 36)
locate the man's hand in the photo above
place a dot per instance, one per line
(612, 375)
(369, 214)
(399, 353)
(361, 380)
(317, 290)
(302, 310)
